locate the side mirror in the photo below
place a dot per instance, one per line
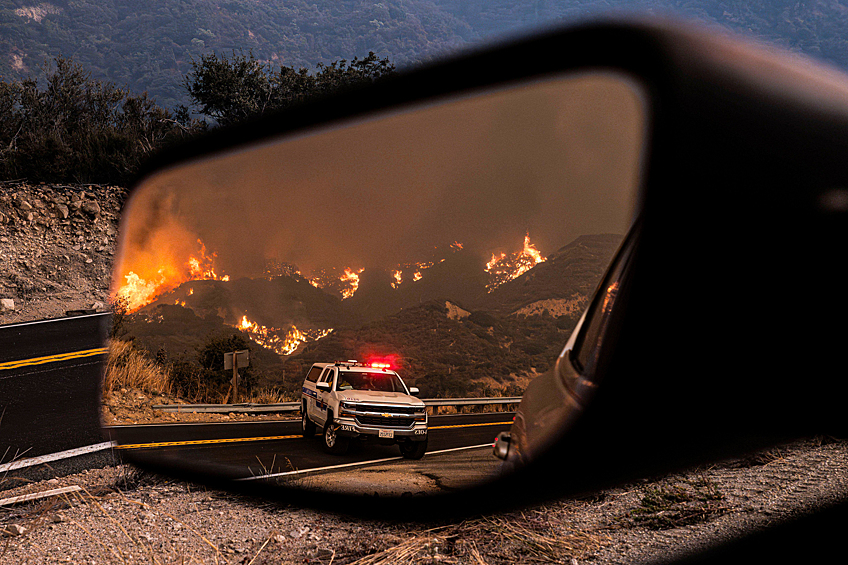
(413, 390)
(501, 446)
(461, 219)
(323, 386)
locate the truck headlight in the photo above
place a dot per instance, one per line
(347, 409)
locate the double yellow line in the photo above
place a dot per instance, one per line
(52, 358)
(200, 442)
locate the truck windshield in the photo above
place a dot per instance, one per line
(383, 382)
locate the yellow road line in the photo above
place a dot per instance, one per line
(268, 438)
(52, 358)
(201, 442)
(471, 425)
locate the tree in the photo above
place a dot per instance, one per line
(232, 89)
(76, 129)
(210, 356)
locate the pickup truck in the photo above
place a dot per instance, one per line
(365, 402)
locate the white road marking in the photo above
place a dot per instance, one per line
(357, 464)
(29, 462)
(39, 495)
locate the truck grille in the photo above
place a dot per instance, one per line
(386, 409)
(383, 422)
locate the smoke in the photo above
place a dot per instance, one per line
(555, 159)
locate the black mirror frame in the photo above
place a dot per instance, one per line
(702, 114)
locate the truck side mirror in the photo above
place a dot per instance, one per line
(325, 386)
(413, 390)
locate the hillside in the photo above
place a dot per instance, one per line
(561, 285)
(446, 333)
(470, 354)
(149, 46)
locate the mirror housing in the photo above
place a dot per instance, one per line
(413, 390)
(323, 386)
(744, 168)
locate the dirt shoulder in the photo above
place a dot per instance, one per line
(125, 516)
(56, 248)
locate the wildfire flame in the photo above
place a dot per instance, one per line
(270, 338)
(345, 284)
(352, 279)
(398, 276)
(153, 276)
(505, 267)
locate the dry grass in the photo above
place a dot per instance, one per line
(128, 368)
(270, 395)
(677, 504)
(520, 537)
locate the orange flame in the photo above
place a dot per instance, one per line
(505, 267)
(352, 279)
(398, 276)
(345, 284)
(270, 338)
(159, 270)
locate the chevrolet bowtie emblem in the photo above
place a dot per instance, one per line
(386, 415)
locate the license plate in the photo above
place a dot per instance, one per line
(387, 433)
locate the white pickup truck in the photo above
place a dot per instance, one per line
(363, 401)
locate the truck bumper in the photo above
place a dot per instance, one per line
(350, 428)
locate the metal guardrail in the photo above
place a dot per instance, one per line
(471, 401)
(245, 408)
(282, 407)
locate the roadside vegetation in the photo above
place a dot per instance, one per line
(667, 505)
(71, 128)
(128, 368)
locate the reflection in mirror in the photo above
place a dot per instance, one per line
(303, 286)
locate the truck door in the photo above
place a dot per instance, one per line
(323, 398)
(309, 393)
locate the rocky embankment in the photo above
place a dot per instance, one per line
(56, 248)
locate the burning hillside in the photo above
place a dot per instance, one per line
(508, 266)
(450, 271)
(281, 341)
(150, 277)
(344, 282)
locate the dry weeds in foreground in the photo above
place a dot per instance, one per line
(526, 536)
(129, 523)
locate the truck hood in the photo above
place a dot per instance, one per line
(380, 397)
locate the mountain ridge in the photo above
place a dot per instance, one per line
(148, 46)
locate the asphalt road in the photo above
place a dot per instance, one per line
(50, 373)
(241, 450)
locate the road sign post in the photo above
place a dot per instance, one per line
(235, 361)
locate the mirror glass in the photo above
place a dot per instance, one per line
(448, 247)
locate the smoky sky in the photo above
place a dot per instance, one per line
(556, 159)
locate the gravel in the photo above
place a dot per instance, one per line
(123, 515)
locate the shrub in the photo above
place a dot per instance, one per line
(75, 129)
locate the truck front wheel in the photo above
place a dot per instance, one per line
(334, 443)
(413, 449)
